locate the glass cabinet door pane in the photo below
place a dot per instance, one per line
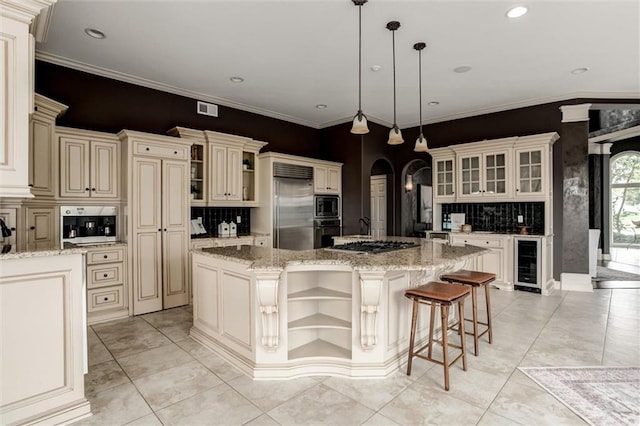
(524, 158)
(536, 157)
(536, 171)
(500, 160)
(475, 162)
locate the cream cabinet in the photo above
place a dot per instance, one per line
(107, 289)
(158, 226)
(43, 152)
(327, 179)
(89, 164)
(41, 227)
(17, 55)
(444, 177)
(262, 241)
(498, 258)
(226, 173)
(484, 174)
(532, 172)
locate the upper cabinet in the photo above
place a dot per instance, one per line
(16, 96)
(223, 168)
(89, 164)
(43, 152)
(327, 179)
(517, 168)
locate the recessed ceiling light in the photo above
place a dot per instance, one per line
(461, 69)
(376, 68)
(321, 106)
(579, 70)
(517, 11)
(237, 79)
(92, 32)
(433, 103)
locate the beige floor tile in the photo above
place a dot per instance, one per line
(176, 333)
(220, 405)
(491, 419)
(148, 420)
(263, 420)
(175, 384)
(220, 367)
(169, 317)
(116, 406)
(425, 403)
(128, 337)
(154, 360)
(379, 420)
(320, 405)
(268, 394)
(194, 348)
(97, 351)
(103, 376)
(371, 393)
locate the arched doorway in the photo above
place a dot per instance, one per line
(625, 199)
(416, 199)
(382, 195)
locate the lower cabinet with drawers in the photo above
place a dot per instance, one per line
(498, 259)
(107, 287)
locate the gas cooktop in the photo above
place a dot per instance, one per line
(371, 247)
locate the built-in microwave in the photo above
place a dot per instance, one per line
(327, 206)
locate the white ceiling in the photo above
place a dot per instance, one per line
(296, 54)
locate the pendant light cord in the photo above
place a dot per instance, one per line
(393, 41)
(359, 59)
(420, 86)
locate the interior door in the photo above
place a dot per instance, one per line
(378, 206)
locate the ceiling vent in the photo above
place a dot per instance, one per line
(207, 109)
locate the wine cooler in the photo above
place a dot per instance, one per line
(528, 264)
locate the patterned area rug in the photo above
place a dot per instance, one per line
(599, 395)
(608, 274)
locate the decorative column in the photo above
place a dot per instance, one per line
(574, 250)
(267, 290)
(370, 293)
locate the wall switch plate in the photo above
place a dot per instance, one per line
(520, 218)
(238, 219)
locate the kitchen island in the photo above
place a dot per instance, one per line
(279, 314)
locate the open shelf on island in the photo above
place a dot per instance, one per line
(319, 348)
(319, 321)
(319, 293)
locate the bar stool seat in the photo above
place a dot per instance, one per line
(475, 279)
(443, 295)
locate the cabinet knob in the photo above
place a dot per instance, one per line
(165, 229)
(13, 229)
(517, 189)
(93, 189)
(86, 189)
(32, 227)
(105, 256)
(146, 149)
(487, 242)
(30, 185)
(106, 299)
(159, 229)
(175, 152)
(105, 275)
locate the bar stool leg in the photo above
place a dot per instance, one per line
(462, 334)
(414, 317)
(444, 317)
(432, 318)
(488, 301)
(474, 302)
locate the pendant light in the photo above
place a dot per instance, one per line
(359, 121)
(421, 142)
(395, 136)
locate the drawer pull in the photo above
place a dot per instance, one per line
(106, 256)
(147, 149)
(175, 152)
(106, 299)
(106, 275)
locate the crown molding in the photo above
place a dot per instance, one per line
(23, 10)
(617, 135)
(41, 24)
(128, 78)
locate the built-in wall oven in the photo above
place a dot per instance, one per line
(528, 263)
(84, 225)
(327, 206)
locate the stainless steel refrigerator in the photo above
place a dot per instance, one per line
(293, 204)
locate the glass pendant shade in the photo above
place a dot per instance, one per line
(395, 136)
(359, 124)
(421, 144)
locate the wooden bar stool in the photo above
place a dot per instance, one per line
(443, 295)
(475, 279)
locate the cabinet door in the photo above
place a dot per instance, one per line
(530, 173)
(74, 168)
(320, 179)
(493, 261)
(443, 177)
(234, 174)
(175, 240)
(147, 235)
(104, 169)
(9, 216)
(333, 179)
(42, 154)
(41, 227)
(218, 173)
(495, 175)
(469, 176)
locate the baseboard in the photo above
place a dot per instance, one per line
(576, 282)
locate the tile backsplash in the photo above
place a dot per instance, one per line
(212, 216)
(500, 217)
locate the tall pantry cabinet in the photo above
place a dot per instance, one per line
(156, 184)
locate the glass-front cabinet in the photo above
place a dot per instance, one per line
(197, 173)
(483, 175)
(444, 178)
(530, 172)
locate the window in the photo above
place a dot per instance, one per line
(625, 198)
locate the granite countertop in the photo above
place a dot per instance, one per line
(42, 253)
(425, 257)
(214, 237)
(95, 245)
